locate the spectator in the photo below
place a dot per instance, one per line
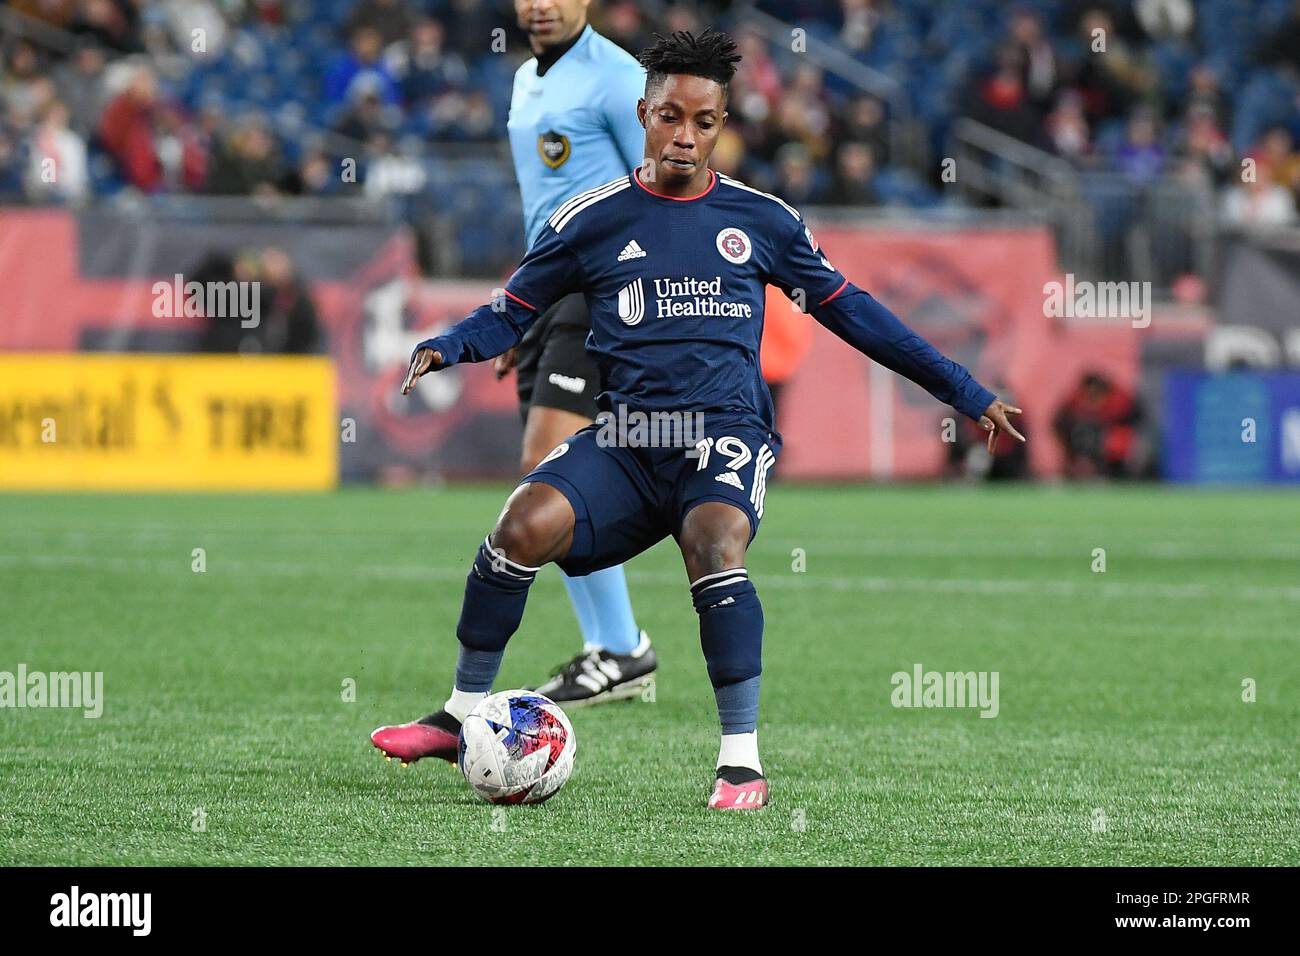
(176, 22)
(1002, 101)
(863, 121)
(25, 87)
(757, 84)
(623, 24)
(56, 158)
(361, 65)
(476, 23)
(288, 320)
(391, 19)
(861, 18)
(57, 13)
(114, 25)
(1097, 429)
(855, 167)
(681, 16)
(1260, 202)
(247, 162)
(1067, 129)
(1109, 73)
(315, 175)
(422, 67)
(797, 120)
(181, 150)
(729, 154)
(1277, 149)
(1204, 92)
(268, 12)
(80, 82)
(366, 114)
(968, 456)
(1205, 145)
(290, 324)
(1283, 47)
(798, 182)
(1165, 19)
(466, 119)
(389, 173)
(1141, 157)
(11, 162)
(1037, 56)
(126, 130)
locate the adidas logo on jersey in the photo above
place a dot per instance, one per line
(631, 251)
(730, 478)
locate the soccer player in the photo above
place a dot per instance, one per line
(573, 126)
(676, 330)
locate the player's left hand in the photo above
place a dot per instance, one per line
(994, 421)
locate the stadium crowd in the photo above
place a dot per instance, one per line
(265, 96)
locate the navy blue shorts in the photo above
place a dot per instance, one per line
(627, 499)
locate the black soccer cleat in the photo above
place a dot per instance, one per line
(594, 677)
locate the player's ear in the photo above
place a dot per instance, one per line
(641, 110)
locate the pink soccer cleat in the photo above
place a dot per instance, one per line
(738, 788)
(437, 735)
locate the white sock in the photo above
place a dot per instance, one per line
(461, 702)
(740, 750)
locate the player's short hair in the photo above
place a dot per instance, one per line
(711, 55)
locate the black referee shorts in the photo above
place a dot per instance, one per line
(554, 368)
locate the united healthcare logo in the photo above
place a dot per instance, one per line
(631, 303)
(688, 296)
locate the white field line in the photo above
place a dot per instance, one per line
(1089, 585)
(820, 544)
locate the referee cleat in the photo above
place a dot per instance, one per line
(738, 788)
(594, 677)
(437, 735)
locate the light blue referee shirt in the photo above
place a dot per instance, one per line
(574, 127)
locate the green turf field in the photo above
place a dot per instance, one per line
(1121, 737)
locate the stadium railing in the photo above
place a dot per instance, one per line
(1106, 224)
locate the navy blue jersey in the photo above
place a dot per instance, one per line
(676, 290)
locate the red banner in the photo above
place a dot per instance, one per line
(83, 281)
(977, 295)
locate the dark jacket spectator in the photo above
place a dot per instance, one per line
(246, 163)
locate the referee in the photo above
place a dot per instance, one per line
(573, 126)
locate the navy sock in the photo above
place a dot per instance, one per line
(476, 670)
(738, 706)
(731, 635)
(496, 591)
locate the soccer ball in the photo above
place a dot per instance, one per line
(516, 747)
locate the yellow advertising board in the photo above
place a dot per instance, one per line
(216, 422)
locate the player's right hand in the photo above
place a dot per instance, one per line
(421, 362)
(504, 362)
